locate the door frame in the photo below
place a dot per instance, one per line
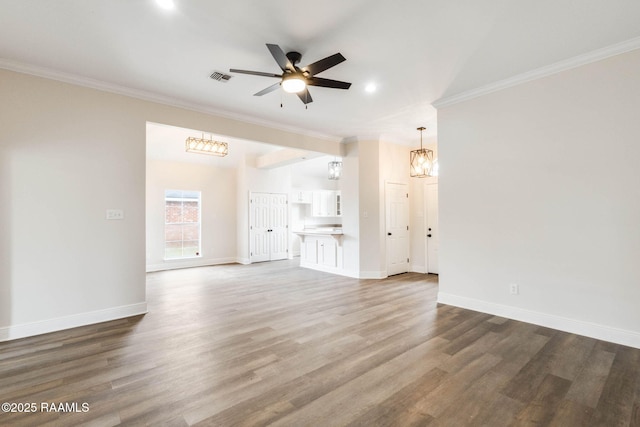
(425, 185)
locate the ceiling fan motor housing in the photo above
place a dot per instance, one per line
(294, 57)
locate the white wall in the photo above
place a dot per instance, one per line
(68, 153)
(540, 186)
(218, 211)
(350, 199)
(371, 215)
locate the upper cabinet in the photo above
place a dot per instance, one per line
(301, 196)
(326, 204)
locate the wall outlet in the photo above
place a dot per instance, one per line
(115, 214)
(513, 289)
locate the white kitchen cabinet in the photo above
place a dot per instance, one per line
(321, 251)
(309, 252)
(327, 252)
(326, 204)
(301, 196)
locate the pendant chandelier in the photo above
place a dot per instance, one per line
(422, 163)
(335, 169)
(206, 146)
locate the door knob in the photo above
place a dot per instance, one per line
(388, 234)
(428, 235)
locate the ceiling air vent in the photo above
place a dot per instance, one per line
(221, 77)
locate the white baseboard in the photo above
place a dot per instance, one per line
(373, 275)
(414, 268)
(243, 261)
(592, 330)
(188, 263)
(24, 330)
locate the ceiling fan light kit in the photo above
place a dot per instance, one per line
(295, 79)
(293, 83)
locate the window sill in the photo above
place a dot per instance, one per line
(181, 259)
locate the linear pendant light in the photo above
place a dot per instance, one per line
(206, 146)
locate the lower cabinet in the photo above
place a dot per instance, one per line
(320, 253)
(309, 250)
(327, 252)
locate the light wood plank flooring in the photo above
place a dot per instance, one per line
(273, 344)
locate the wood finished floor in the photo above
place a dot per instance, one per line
(273, 344)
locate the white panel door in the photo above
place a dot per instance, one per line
(431, 208)
(279, 226)
(397, 228)
(258, 227)
(268, 227)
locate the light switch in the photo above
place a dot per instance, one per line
(115, 214)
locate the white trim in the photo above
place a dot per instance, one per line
(58, 324)
(588, 329)
(75, 79)
(373, 274)
(538, 73)
(174, 264)
(243, 261)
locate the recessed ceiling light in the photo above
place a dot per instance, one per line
(166, 4)
(370, 87)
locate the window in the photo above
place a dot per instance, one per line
(181, 224)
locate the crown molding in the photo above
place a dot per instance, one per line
(538, 73)
(78, 80)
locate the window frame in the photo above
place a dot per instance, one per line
(170, 195)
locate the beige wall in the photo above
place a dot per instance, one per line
(68, 153)
(540, 186)
(218, 211)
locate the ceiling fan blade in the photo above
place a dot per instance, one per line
(335, 84)
(280, 57)
(254, 73)
(325, 64)
(267, 90)
(305, 96)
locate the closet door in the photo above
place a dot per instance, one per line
(279, 226)
(268, 227)
(258, 227)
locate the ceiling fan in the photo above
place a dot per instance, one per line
(295, 79)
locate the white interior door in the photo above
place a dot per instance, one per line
(431, 227)
(268, 227)
(279, 227)
(397, 228)
(259, 226)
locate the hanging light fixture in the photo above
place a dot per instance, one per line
(335, 169)
(206, 146)
(421, 161)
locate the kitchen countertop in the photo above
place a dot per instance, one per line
(326, 231)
